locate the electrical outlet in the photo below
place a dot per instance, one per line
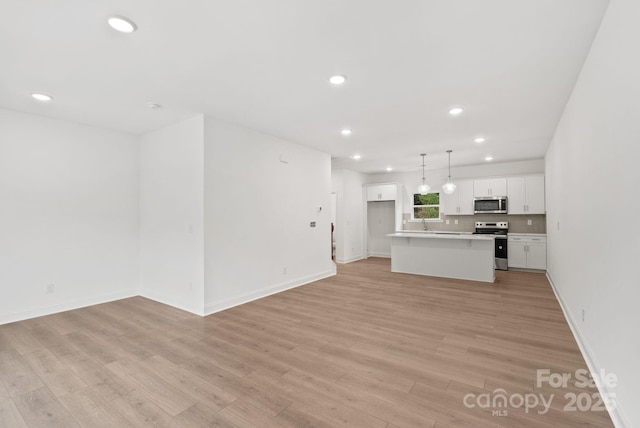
(447, 221)
(456, 221)
(51, 288)
(529, 223)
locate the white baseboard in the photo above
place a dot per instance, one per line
(169, 301)
(264, 292)
(209, 309)
(68, 306)
(383, 255)
(352, 259)
(617, 415)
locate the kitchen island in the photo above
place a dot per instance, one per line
(444, 254)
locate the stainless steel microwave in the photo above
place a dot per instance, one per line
(490, 205)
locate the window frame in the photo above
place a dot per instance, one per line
(413, 209)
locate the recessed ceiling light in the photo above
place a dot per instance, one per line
(356, 157)
(42, 97)
(122, 24)
(479, 140)
(455, 111)
(153, 106)
(337, 79)
(346, 132)
(488, 158)
(389, 169)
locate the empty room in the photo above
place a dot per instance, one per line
(319, 214)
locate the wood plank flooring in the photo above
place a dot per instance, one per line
(366, 348)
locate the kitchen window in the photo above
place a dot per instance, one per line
(426, 207)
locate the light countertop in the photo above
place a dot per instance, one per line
(539, 235)
(440, 235)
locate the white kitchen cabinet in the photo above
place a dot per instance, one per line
(382, 192)
(459, 202)
(527, 251)
(490, 187)
(526, 194)
(516, 254)
(537, 255)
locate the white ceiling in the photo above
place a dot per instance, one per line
(264, 64)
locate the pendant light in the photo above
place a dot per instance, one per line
(424, 188)
(449, 187)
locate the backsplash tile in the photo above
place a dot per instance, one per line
(467, 223)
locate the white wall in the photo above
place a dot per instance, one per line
(347, 185)
(436, 178)
(171, 215)
(261, 193)
(592, 192)
(68, 217)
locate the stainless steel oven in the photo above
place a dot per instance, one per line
(490, 205)
(499, 230)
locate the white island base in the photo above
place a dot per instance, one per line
(462, 256)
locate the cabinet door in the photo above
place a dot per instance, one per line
(482, 188)
(537, 256)
(517, 257)
(498, 187)
(450, 202)
(465, 197)
(535, 194)
(388, 192)
(373, 193)
(383, 192)
(516, 195)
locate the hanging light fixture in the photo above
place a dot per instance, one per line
(424, 188)
(449, 187)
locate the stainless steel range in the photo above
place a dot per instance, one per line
(499, 230)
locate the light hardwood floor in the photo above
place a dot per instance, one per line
(366, 348)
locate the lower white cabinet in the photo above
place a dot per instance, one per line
(527, 251)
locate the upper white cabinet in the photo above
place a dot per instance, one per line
(459, 202)
(382, 192)
(490, 187)
(526, 194)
